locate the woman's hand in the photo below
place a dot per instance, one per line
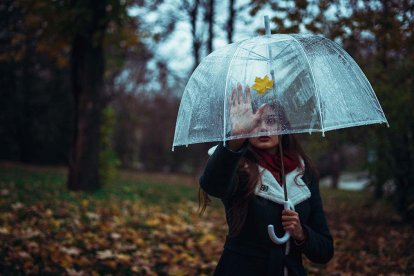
(242, 118)
(291, 224)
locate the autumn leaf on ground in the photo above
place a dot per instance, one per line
(106, 254)
(63, 233)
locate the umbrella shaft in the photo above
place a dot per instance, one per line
(283, 168)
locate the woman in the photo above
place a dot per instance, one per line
(245, 174)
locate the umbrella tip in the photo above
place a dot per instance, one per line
(267, 25)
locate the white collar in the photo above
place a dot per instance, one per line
(270, 189)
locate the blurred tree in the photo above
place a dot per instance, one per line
(381, 35)
(210, 19)
(128, 128)
(36, 104)
(98, 23)
(44, 44)
(293, 16)
(87, 66)
(191, 8)
(231, 20)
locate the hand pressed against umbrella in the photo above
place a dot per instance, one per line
(291, 224)
(243, 120)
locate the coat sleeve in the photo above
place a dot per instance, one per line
(318, 246)
(218, 175)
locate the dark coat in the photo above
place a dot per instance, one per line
(252, 252)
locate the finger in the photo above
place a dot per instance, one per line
(294, 224)
(261, 109)
(233, 96)
(239, 93)
(289, 229)
(290, 222)
(287, 223)
(248, 98)
(290, 218)
(289, 212)
(259, 113)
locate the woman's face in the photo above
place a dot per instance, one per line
(268, 122)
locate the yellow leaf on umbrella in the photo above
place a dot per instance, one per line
(262, 85)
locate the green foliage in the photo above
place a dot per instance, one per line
(50, 26)
(108, 160)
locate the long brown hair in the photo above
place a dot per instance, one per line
(247, 177)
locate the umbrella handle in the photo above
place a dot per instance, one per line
(271, 231)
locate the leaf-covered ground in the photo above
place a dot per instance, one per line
(148, 224)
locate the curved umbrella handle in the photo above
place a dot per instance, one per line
(271, 231)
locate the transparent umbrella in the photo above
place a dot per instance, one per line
(310, 82)
(319, 86)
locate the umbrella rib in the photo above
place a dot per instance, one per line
(314, 82)
(260, 56)
(280, 52)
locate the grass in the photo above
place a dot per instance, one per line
(32, 185)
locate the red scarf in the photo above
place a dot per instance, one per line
(272, 163)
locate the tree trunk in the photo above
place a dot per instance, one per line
(196, 39)
(230, 21)
(87, 65)
(210, 20)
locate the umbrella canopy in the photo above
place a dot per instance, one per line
(317, 84)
